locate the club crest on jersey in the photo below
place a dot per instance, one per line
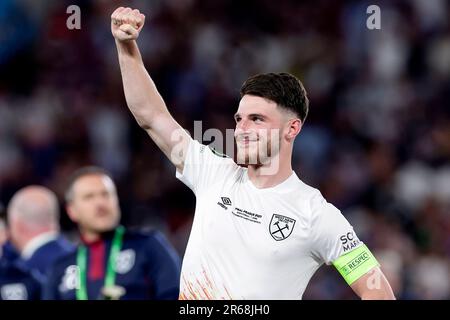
(125, 261)
(281, 227)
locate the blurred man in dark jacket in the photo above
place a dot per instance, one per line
(110, 262)
(17, 282)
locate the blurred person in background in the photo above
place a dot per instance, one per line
(111, 262)
(17, 282)
(33, 219)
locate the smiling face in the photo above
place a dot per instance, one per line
(271, 113)
(94, 205)
(262, 129)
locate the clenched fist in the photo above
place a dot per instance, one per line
(126, 23)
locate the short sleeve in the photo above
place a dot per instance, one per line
(331, 234)
(204, 166)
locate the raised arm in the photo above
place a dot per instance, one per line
(143, 99)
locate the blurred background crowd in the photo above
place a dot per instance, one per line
(376, 141)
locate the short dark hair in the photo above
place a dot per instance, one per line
(82, 172)
(282, 88)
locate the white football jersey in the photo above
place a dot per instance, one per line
(250, 243)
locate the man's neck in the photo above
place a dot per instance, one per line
(89, 236)
(272, 174)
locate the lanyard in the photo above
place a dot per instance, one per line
(110, 277)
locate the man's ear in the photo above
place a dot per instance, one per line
(295, 126)
(20, 226)
(71, 213)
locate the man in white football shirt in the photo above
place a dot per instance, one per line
(259, 232)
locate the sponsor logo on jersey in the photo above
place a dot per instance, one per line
(225, 202)
(349, 241)
(281, 227)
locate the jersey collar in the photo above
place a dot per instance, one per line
(286, 186)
